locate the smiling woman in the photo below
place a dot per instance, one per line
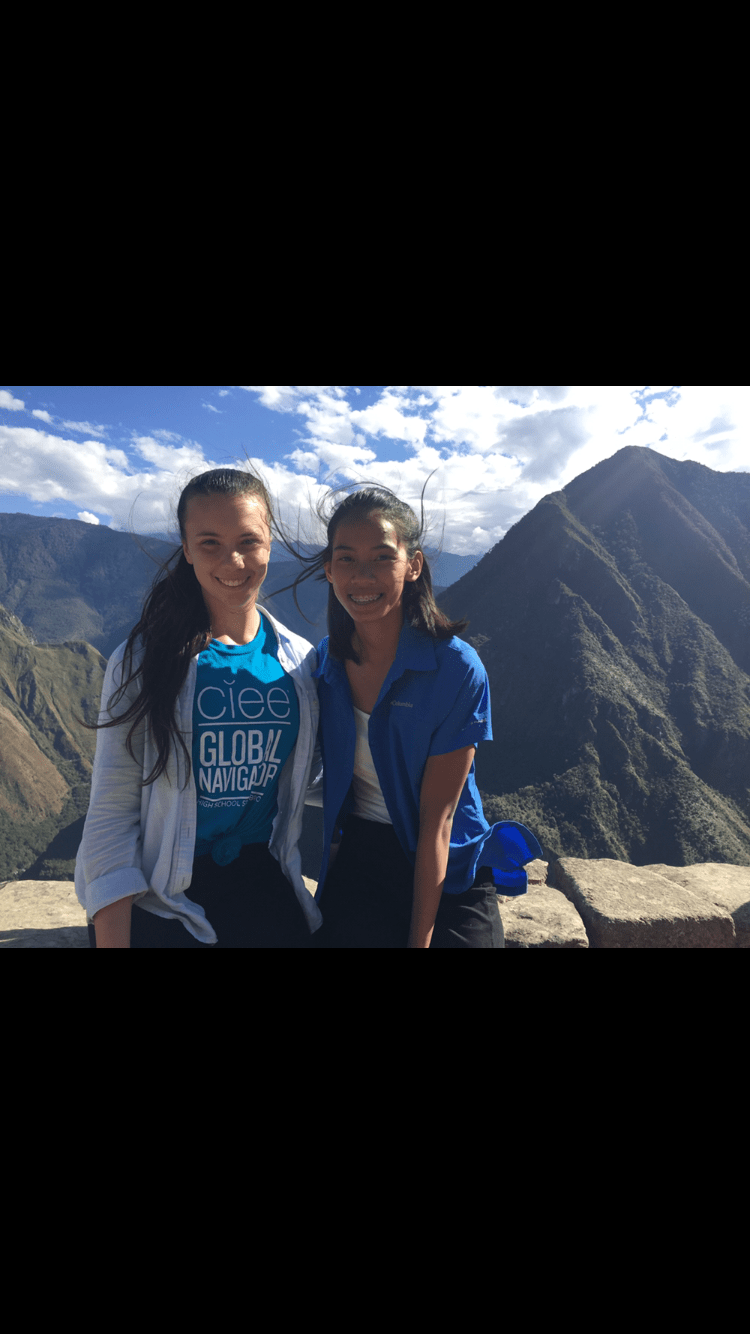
(369, 568)
(196, 810)
(409, 859)
(227, 540)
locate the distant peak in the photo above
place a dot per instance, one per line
(10, 622)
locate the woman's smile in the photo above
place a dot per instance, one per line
(233, 583)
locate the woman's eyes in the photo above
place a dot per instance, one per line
(384, 557)
(211, 542)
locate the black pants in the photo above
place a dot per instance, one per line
(250, 904)
(367, 897)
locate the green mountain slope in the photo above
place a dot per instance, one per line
(67, 580)
(46, 758)
(613, 622)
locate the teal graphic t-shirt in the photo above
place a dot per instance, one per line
(245, 725)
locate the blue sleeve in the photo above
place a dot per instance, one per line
(467, 720)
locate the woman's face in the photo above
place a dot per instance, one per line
(228, 544)
(369, 567)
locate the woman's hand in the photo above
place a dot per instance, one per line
(442, 784)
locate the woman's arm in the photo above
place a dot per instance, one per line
(112, 924)
(442, 785)
(108, 873)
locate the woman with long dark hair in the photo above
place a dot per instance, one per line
(404, 702)
(208, 725)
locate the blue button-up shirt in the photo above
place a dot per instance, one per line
(434, 700)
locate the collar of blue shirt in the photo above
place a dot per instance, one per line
(415, 652)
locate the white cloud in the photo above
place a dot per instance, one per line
(481, 484)
(42, 415)
(545, 440)
(280, 397)
(388, 418)
(211, 407)
(471, 415)
(171, 458)
(8, 401)
(45, 467)
(499, 449)
(304, 461)
(285, 397)
(494, 450)
(525, 395)
(328, 421)
(42, 466)
(85, 428)
(718, 426)
(85, 517)
(344, 459)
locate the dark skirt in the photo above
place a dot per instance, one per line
(250, 904)
(367, 897)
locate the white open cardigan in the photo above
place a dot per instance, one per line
(140, 839)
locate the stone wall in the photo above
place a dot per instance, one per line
(572, 904)
(45, 914)
(608, 904)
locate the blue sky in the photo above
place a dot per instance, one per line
(105, 454)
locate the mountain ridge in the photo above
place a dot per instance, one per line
(621, 715)
(47, 756)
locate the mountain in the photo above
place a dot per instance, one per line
(68, 580)
(614, 623)
(47, 757)
(312, 598)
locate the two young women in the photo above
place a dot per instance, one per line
(189, 848)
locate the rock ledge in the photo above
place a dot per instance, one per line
(572, 904)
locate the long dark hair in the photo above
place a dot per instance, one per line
(420, 607)
(174, 627)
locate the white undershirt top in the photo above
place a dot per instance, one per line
(368, 797)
